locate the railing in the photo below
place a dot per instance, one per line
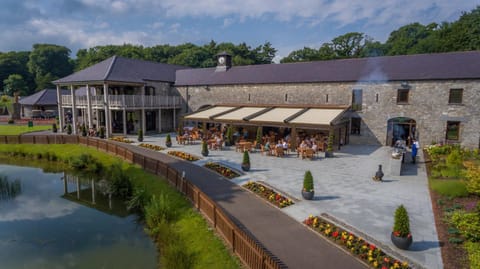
(250, 251)
(125, 101)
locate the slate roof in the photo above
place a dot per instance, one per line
(46, 97)
(120, 69)
(440, 66)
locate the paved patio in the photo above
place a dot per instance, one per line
(344, 189)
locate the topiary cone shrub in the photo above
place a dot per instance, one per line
(168, 141)
(140, 135)
(329, 151)
(69, 129)
(84, 130)
(401, 236)
(308, 189)
(102, 132)
(401, 226)
(204, 148)
(54, 127)
(246, 161)
(258, 139)
(229, 136)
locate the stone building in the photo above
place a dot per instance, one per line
(431, 97)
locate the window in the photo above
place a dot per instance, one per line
(357, 96)
(455, 96)
(453, 130)
(355, 126)
(402, 96)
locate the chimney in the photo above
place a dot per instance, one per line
(224, 61)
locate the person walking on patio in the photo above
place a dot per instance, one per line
(415, 146)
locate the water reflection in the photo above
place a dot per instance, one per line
(60, 221)
(9, 189)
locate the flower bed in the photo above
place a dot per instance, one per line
(222, 170)
(152, 147)
(369, 253)
(183, 155)
(121, 139)
(269, 194)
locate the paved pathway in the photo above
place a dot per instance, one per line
(344, 189)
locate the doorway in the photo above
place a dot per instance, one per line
(401, 128)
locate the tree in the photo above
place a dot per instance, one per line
(15, 83)
(16, 63)
(349, 45)
(405, 40)
(49, 62)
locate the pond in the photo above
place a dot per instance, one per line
(55, 220)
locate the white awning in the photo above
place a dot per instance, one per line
(208, 113)
(317, 116)
(300, 116)
(276, 115)
(239, 114)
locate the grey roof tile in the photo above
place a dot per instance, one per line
(123, 70)
(44, 97)
(454, 65)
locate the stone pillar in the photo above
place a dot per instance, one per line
(74, 110)
(89, 108)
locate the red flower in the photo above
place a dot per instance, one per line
(372, 247)
(335, 234)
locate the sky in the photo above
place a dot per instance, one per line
(288, 25)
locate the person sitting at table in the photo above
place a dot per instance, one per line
(267, 147)
(315, 148)
(218, 142)
(285, 145)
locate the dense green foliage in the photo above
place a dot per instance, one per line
(449, 187)
(468, 223)
(473, 250)
(30, 71)
(414, 38)
(401, 224)
(308, 181)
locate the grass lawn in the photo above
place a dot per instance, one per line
(449, 187)
(199, 239)
(11, 129)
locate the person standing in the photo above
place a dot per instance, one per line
(415, 146)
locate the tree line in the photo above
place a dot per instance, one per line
(26, 72)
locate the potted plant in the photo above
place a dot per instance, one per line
(168, 141)
(101, 133)
(329, 151)
(246, 161)
(54, 127)
(204, 148)
(401, 236)
(84, 130)
(258, 139)
(140, 135)
(307, 190)
(69, 129)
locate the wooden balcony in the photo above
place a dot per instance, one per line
(125, 101)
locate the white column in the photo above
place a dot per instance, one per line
(61, 120)
(108, 126)
(74, 110)
(144, 115)
(89, 108)
(160, 120)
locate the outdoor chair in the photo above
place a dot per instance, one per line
(279, 152)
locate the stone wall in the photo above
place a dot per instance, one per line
(428, 104)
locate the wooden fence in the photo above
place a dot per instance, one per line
(250, 251)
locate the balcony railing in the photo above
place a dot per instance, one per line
(125, 101)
